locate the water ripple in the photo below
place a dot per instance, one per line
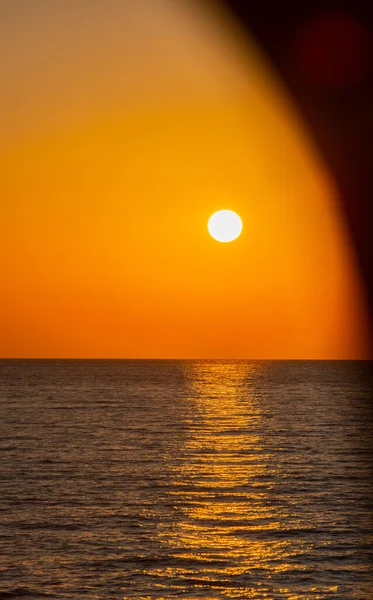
(193, 479)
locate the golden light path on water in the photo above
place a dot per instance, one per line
(227, 522)
(158, 480)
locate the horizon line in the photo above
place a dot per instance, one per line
(95, 358)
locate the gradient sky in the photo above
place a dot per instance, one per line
(124, 125)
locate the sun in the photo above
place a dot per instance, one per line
(225, 226)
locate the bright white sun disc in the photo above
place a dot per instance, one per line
(225, 226)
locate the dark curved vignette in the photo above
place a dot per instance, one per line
(324, 53)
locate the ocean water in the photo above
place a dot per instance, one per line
(186, 479)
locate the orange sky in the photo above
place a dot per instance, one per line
(124, 126)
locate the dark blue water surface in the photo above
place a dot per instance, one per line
(186, 479)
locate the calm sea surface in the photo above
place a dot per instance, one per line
(186, 479)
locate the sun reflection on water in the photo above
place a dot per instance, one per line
(226, 525)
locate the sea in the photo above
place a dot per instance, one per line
(203, 479)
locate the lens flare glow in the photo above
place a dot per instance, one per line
(225, 226)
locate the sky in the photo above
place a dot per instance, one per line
(124, 125)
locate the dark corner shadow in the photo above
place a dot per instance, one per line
(323, 52)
